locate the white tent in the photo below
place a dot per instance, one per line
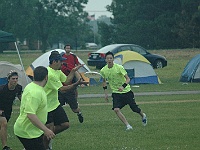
(6, 67)
(43, 60)
(6, 37)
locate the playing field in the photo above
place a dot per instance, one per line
(173, 120)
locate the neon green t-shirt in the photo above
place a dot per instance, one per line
(55, 79)
(115, 77)
(34, 101)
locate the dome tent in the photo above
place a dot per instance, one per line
(191, 72)
(43, 60)
(6, 37)
(6, 67)
(138, 68)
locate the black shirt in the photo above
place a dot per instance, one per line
(8, 96)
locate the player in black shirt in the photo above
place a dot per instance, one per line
(8, 93)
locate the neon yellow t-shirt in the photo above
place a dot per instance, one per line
(55, 79)
(34, 101)
(115, 77)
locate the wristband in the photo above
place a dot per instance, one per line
(105, 87)
(124, 85)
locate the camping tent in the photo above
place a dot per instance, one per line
(139, 69)
(191, 72)
(8, 37)
(43, 60)
(6, 67)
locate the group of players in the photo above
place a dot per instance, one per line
(41, 113)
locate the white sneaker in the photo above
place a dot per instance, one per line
(129, 127)
(144, 119)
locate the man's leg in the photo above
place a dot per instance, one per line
(3, 131)
(45, 140)
(61, 127)
(73, 103)
(121, 116)
(61, 121)
(79, 114)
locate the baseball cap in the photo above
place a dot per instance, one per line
(55, 55)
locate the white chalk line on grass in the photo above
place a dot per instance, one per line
(150, 102)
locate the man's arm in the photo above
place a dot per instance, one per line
(121, 88)
(72, 74)
(36, 122)
(105, 89)
(72, 86)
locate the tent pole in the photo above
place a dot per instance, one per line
(21, 62)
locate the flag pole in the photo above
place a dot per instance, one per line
(94, 28)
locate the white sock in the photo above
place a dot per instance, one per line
(128, 125)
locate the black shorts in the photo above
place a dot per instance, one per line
(57, 116)
(6, 114)
(120, 100)
(68, 98)
(33, 144)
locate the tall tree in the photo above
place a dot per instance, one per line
(156, 23)
(39, 19)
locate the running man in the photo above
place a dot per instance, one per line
(57, 119)
(71, 96)
(30, 125)
(122, 95)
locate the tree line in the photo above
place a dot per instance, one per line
(153, 24)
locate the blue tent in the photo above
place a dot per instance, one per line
(191, 72)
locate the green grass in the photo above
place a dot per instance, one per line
(173, 120)
(173, 123)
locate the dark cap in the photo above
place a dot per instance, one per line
(55, 55)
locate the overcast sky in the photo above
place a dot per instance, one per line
(97, 7)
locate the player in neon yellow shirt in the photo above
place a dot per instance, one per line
(122, 95)
(57, 119)
(30, 125)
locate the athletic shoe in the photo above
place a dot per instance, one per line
(7, 148)
(80, 117)
(51, 144)
(144, 119)
(129, 127)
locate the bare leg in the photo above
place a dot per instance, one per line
(121, 116)
(3, 131)
(60, 128)
(141, 114)
(77, 110)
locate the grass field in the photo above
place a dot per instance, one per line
(173, 120)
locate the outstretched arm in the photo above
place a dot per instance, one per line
(72, 74)
(72, 86)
